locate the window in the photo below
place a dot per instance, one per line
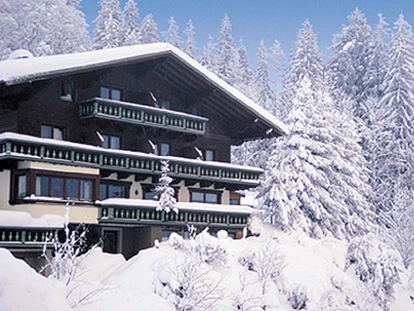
(113, 189)
(21, 186)
(149, 193)
(111, 142)
(208, 155)
(67, 91)
(48, 131)
(110, 93)
(66, 188)
(234, 202)
(165, 104)
(165, 149)
(205, 196)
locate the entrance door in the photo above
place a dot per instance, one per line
(111, 241)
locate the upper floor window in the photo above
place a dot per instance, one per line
(49, 131)
(67, 91)
(165, 149)
(67, 186)
(111, 142)
(205, 196)
(63, 187)
(113, 189)
(110, 93)
(208, 155)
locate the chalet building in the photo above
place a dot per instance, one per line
(91, 129)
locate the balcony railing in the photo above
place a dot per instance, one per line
(142, 115)
(25, 236)
(24, 147)
(146, 215)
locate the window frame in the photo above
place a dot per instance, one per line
(110, 92)
(205, 192)
(108, 138)
(53, 128)
(160, 149)
(64, 93)
(148, 187)
(108, 183)
(33, 174)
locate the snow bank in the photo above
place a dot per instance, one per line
(208, 273)
(22, 288)
(24, 219)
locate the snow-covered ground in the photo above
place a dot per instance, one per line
(273, 271)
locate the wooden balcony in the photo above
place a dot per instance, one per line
(25, 237)
(142, 115)
(146, 215)
(24, 147)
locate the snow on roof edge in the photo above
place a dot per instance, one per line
(135, 53)
(203, 207)
(68, 144)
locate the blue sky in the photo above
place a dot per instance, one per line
(254, 20)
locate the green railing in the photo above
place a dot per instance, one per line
(145, 215)
(23, 147)
(142, 115)
(25, 236)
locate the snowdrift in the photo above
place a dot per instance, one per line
(273, 271)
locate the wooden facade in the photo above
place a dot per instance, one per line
(86, 134)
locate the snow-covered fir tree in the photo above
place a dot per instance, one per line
(306, 60)
(226, 53)
(130, 26)
(108, 26)
(277, 62)
(42, 27)
(377, 60)
(393, 130)
(171, 35)
(263, 93)
(348, 65)
(189, 44)
(314, 182)
(208, 58)
(167, 201)
(148, 30)
(244, 77)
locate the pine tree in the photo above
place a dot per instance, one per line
(167, 201)
(148, 30)
(189, 46)
(315, 180)
(306, 61)
(244, 75)
(277, 60)
(226, 53)
(263, 93)
(130, 26)
(393, 131)
(171, 35)
(348, 67)
(208, 58)
(43, 27)
(377, 60)
(108, 30)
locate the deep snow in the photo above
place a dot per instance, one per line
(206, 273)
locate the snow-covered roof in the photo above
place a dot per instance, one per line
(15, 71)
(183, 206)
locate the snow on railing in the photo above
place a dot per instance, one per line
(142, 115)
(24, 147)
